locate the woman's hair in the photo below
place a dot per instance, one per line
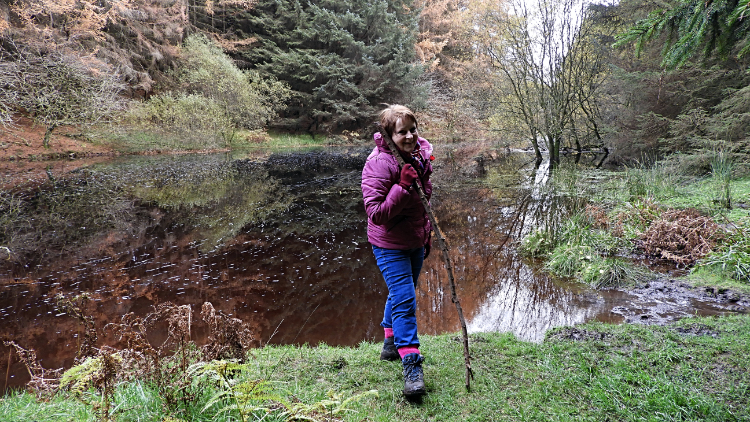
(390, 115)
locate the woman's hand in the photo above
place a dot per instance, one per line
(408, 176)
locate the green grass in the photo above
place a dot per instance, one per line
(632, 200)
(133, 140)
(617, 373)
(290, 140)
(140, 141)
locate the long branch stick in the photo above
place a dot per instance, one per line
(443, 245)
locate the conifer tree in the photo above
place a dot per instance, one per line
(715, 27)
(342, 58)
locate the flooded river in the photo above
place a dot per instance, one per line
(275, 239)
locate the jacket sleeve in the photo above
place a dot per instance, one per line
(384, 197)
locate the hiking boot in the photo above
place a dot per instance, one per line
(389, 352)
(413, 375)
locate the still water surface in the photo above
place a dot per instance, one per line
(277, 240)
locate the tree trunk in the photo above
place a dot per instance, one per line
(537, 151)
(554, 151)
(606, 154)
(47, 135)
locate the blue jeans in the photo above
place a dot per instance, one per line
(400, 270)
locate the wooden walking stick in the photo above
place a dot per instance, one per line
(443, 245)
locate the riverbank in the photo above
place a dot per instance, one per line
(694, 369)
(23, 141)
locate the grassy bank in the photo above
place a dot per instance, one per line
(696, 224)
(132, 141)
(693, 370)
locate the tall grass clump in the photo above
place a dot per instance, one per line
(567, 182)
(584, 248)
(568, 259)
(605, 273)
(721, 172)
(732, 257)
(656, 182)
(537, 243)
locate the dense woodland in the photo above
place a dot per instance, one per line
(640, 79)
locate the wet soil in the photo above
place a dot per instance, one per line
(577, 334)
(662, 301)
(23, 141)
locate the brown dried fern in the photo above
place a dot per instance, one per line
(681, 236)
(228, 338)
(44, 382)
(76, 307)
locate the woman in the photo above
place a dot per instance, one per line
(399, 230)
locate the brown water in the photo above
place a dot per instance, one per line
(278, 241)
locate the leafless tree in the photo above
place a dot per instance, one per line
(548, 59)
(57, 89)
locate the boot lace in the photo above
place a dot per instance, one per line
(413, 369)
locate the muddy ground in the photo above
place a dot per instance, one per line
(661, 301)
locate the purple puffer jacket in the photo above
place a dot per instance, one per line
(396, 216)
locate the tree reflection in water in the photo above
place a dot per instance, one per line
(499, 290)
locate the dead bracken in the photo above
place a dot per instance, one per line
(680, 236)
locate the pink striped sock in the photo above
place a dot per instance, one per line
(403, 351)
(388, 332)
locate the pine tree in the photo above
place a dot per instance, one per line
(714, 27)
(342, 58)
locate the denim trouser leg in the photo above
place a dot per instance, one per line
(400, 270)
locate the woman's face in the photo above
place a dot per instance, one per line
(405, 134)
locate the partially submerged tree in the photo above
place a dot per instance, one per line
(57, 89)
(547, 63)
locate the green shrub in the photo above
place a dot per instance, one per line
(247, 99)
(200, 121)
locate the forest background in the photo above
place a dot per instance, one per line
(639, 82)
(210, 74)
